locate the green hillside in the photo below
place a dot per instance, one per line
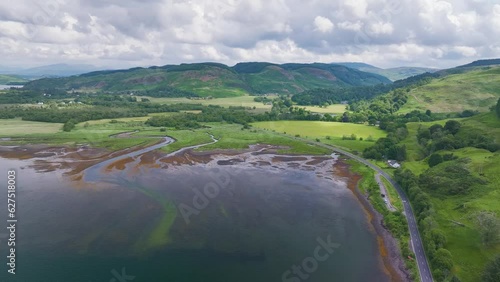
(217, 80)
(8, 79)
(456, 213)
(463, 89)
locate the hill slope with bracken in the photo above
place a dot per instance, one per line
(217, 80)
(456, 90)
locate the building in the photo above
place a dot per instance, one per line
(393, 164)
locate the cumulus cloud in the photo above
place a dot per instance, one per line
(126, 33)
(323, 24)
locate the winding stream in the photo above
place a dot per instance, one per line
(92, 173)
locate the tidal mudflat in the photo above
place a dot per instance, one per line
(248, 215)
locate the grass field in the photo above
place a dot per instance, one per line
(320, 130)
(241, 101)
(25, 132)
(475, 90)
(331, 109)
(129, 119)
(232, 137)
(97, 134)
(18, 127)
(469, 254)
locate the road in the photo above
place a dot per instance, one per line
(418, 247)
(383, 191)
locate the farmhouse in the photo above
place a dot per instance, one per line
(393, 164)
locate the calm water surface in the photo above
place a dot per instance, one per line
(153, 225)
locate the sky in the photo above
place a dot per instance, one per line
(129, 33)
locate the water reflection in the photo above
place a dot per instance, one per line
(263, 220)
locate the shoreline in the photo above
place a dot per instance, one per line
(392, 261)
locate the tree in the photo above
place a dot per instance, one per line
(488, 226)
(434, 160)
(452, 126)
(438, 237)
(442, 260)
(69, 125)
(435, 128)
(345, 117)
(492, 271)
(498, 108)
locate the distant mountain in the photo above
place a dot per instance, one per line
(8, 70)
(57, 70)
(217, 80)
(358, 66)
(399, 73)
(391, 73)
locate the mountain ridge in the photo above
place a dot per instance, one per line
(217, 80)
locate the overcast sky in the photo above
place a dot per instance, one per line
(127, 33)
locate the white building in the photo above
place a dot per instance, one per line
(393, 164)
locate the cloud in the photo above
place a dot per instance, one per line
(323, 24)
(126, 33)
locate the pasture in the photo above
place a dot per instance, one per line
(18, 127)
(336, 109)
(321, 129)
(241, 101)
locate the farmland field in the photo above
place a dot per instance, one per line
(241, 101)
(331, 109)
(321, 129)
(13, 127)
(327, 132)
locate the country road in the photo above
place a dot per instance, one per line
(416, 241)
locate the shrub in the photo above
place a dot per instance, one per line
(434, 160)
(69, 125)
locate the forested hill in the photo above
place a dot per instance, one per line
(475, 87)
(217, 80)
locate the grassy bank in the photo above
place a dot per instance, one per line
(395, 222)
(455, 214)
